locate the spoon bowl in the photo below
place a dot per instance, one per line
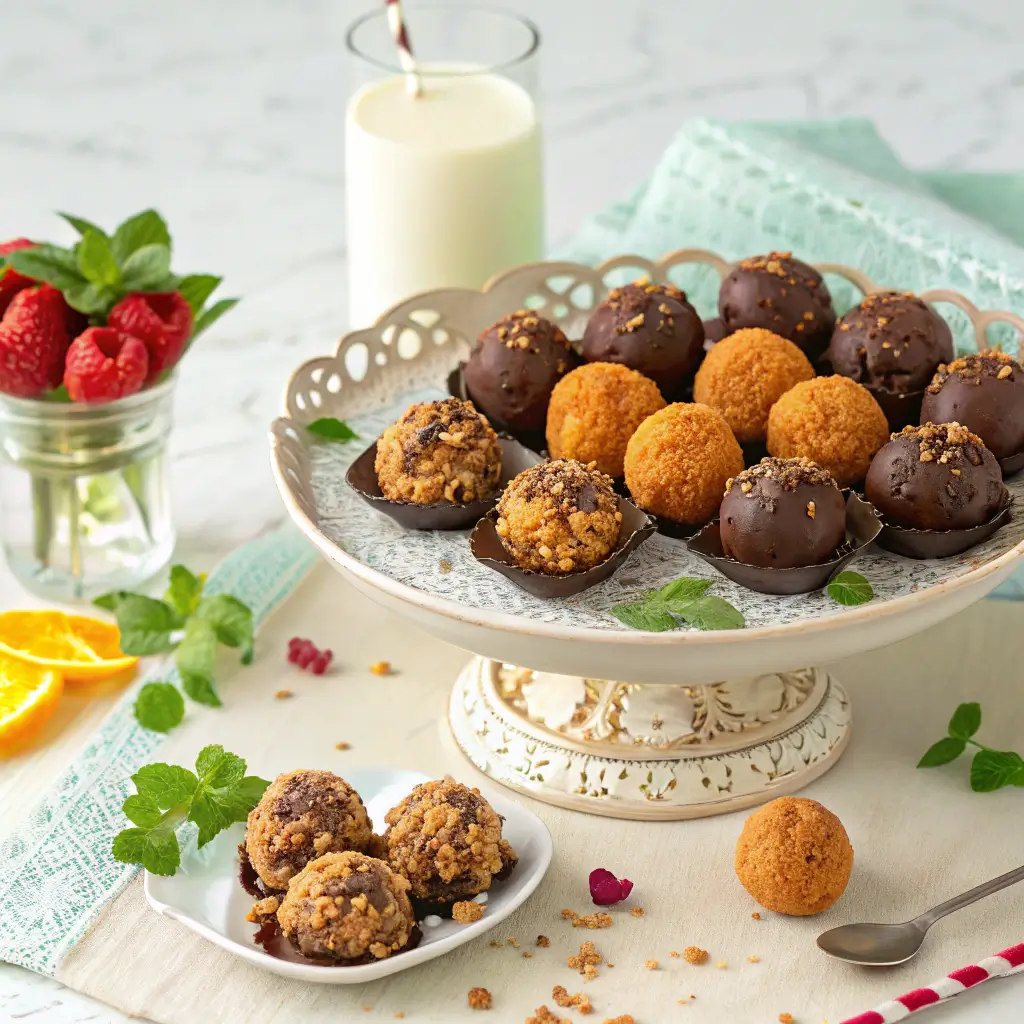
(873, 945)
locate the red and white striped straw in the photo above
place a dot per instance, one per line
(396, 22)
(1008, 962)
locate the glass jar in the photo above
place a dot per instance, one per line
(84, 498)
(444, 188)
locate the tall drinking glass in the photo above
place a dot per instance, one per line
(444, 189)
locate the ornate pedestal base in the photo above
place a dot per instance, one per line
(648, 751)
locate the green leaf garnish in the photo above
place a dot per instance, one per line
(156, 848)
(58, 394)
(81, 225)
(146, 624)
(949, 748)
(650, 617)
(682, 592)
(685, 598)
(148, 269)
(850, 588)
(165, 784)
(231, 619)
(143, 229)
(990, 769)
(332, 429)
(87, 298)
(96, 262)
(195, 289)
(966, 720)
(195, 656)
(712, 613)
(993, 769)
(184, 590)
(160, 707)
(208, 317)
(48, 263)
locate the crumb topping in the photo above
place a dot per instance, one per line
(524, 329)
(695, 955)
(945, 443)
(542, 1015)
(592, 921)
(643, 304)
(787, 473)
(588, 957)
(972, 368)
(782, 264)
(467, 911)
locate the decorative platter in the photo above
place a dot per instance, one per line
(433, 579)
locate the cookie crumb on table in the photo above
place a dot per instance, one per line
(381, 668)
(342, 746)
(785, 1018)
(466, 911)
(542, 1015)
(752, 959)
(721, 965)
(589, 972)
(543, 941)
(588, 957)
(569, 915)
(592, 921)
(624, 1019)
(756, 916)
(637, 912)
(651, 965)
(479, 999)
(674, 954)
(444, 565)
(527, 955)
(283, 694)
(695, 955)
(513, 942)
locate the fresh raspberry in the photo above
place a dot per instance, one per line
(320, 663)
(306, 656)
(163, 321)
(11, 282)
(104, 365)
(33, 341)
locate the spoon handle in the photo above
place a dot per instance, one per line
(929, 918)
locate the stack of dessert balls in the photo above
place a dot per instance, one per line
(783, 376)
(341, 893)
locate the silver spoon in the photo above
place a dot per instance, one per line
(885, 945)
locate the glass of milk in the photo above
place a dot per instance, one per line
(444, 189)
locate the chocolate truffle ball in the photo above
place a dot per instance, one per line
(513, 368)
(782, 295)
(832, 421)
(445, 838)
(679, 461)
(347, 906)
(302, 815)
(714, 331)
(594, 411)
(983, 392)
(559, 517)
(650, 328)
(744, 375)
(794, 857)
(782, 514)
(935, 477)
(438, 451)
(892, 340)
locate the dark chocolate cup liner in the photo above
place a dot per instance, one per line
(488, 550)
(532, 439)
(902, 540)
(863, 525)
(1012, 464)
(362, 478)
(902, 409)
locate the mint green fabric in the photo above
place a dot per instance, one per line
(830, 191)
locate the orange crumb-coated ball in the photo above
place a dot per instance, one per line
(832, 420)
(678, 461)
(744, 375)
(594, 410)
(794, 856)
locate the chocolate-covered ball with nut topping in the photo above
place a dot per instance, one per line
(935, 477)
(442, 451)
(514, 366)
(445, 838)
(650, 328)
(892, 340)
(984, 392)
(302, 815)
(782, 295)
(559, 517)
(782, 514)
(347, 907)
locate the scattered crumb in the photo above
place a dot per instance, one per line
(598, 920)
(695, 955)
(609, 965)
(527, 955)
(444, 565)
(342, 746)
(756, 916)
(542, 1015)
(624, 1019)
(561, 996)
(513, 942)
(283, 694)
(675, 956)
(651, 965)
(589, 972)
(588, 956)
(479, 999)
(495, 944)
(543, 941)
(400, 1015)
(753, 959)
(569, 915)
(721, 965)
(637, 912)
(466, 911)
(367, 1009)
(381, 668)
(785, 1018)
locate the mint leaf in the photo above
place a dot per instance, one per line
(966, 720)
(225, 794)
(949, 748)
(231, 619)
(167, 785)
(109, 601)
(195, 289)
(208, 317)
(219, 767)
(146, 228)
(682, 591)
(81, 225)
(87, 298)
(145, 623)
(645, 615)
(57, 394)
(148, 269)
(96, 261)
(47, 263)
(194, 657)
(184, 590)
(712, 613)
(993, 769)
(142, 810)
(332, 429)
(160, 707)
(850, 588)
(155, 849)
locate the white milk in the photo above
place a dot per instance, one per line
(443, 190)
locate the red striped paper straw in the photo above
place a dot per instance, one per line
(396, 22)
(1007, 962)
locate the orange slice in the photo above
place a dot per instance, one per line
(29, 694)
(80, 648)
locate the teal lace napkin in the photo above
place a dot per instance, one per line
(830, 191)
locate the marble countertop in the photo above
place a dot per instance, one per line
(227, 116)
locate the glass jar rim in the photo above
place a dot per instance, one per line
(85, 412)
(396, 67)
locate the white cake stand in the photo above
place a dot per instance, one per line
(605, 720)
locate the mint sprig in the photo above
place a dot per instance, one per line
(191, 626)
(850, 588)
(686, 598)
(215, 796)
(332, 429)
(990, 769)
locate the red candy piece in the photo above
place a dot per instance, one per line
(606, 889)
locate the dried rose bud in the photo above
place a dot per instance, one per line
(606, 889)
